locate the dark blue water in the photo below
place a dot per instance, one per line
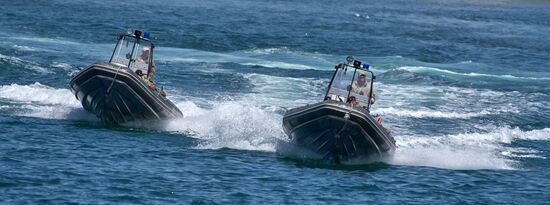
(463, 85)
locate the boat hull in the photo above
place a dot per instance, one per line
(116, 95)
(338, 133)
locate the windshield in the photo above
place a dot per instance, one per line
(133, 53)
(350, 85)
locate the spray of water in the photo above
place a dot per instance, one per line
(41, 101)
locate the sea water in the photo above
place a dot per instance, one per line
(463, 85)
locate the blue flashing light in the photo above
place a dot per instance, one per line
(146, 34)
(365, 66)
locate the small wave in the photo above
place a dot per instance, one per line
(264, 51)
(246, 61)
(25, 48)
(240, 57)
(440, 114)
(171, 54)
(467, 151)
(283, 51)
(364, 16)
(426, 113)
(64, 66)
(421, 69)
(275, 64)
(182, 60)
(31, 49)
(26, 64)
(46, 40)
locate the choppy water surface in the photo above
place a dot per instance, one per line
(464, 86)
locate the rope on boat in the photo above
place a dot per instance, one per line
(113, 82)
(338, 150)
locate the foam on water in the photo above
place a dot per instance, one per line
(289, 59)
(31, 48)
(24, 63)
(57, 112)
(245, 125)
(41, 101)
(45, 40)
(446, 101)
(64, 66)
(38, 93)
(24, 48)
(422, 69)
(522, 153)
(231, 124)
(427, 113)
(364, 16)
(266, 51)
(275, 64)
(489, 150)
(242, 58)
(291, 55)
(193, 56)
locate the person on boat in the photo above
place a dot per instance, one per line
(144, 57)
(362, 87)
(150, 84)
(151, 70)
(353, 101)
(378, 121)
(142, 76)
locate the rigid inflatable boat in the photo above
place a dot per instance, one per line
(122, 90)
(341, 128)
